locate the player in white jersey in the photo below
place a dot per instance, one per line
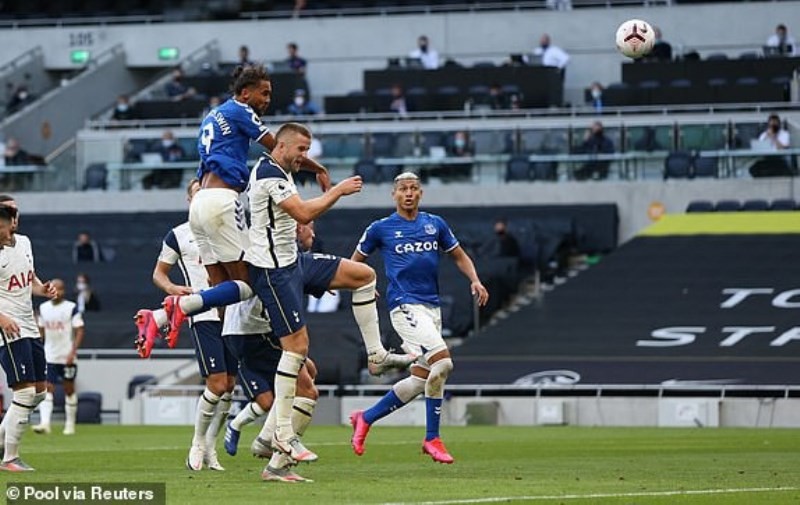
(410, 242)
(217, 364)
(21, 348)
(61, 326)
(250, 336)
(281, 277)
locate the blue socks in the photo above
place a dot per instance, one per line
(433, 408)
(225, 293)
(385, 406)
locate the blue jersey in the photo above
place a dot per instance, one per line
(224, 142)
(410, 251)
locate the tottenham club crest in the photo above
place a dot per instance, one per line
(430, 229)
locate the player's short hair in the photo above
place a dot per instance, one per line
(191, 183)
(7, 213)
(6, 198)
(246, 76)
(289, 128)
(406, 176)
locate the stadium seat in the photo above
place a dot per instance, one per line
(544, 171)
(518, 168)
(138, 380)
(706, 166)
(368, 170)
(728, 206)
(755, 205)
(716, 57)
(700, 206)
(678, 165)
(96, 176)
(747, 81)
(783, 204)
(90, 406)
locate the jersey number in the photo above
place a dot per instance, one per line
(207, 137)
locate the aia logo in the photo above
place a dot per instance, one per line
(20, 281)
(635, 34)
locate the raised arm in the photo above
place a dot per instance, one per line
(467, 267)
(305, 211)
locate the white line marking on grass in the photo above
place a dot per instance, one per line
(600, 495)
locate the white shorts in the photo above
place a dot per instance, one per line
(216, 217)
(420, 327)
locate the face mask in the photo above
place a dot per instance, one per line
(23, 95)
(774, 127)
(80, 286)
(596, 93)
(459, 143)
(299, 101)
(166, 144)
(423, 48)
(123, 107)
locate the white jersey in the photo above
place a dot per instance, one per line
(246, 318)
(59, 320)
(273, 232)
(16, 280)
(179, 247)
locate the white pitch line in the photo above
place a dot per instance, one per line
(600, 495)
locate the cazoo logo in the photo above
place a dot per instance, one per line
(733, 298)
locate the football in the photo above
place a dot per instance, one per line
(635, 38)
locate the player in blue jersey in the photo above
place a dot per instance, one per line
(216, 216)
(218, 366)
(410, 242)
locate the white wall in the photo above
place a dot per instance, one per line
(339, 49)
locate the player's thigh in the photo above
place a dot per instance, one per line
(217, 221)
(281, 293)
(258, 365)
(17, 360)
(213, 356)
(352, 275)
(420, 327)
(319, 272)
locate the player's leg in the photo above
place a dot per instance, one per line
(70, 399)
(440, 368)
(281, 292)
(46, 406)
(360, 278)
(17, 361)
(257, 365)
(223, 407)
(210, 360)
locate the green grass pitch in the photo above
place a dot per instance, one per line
(569, 465)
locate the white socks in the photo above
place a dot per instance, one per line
(365, 311)
(206, 405)
(302, 412)
(248, 414)
(285, 389)
(409, 388)
(434, 386)
(70, 411)
(218, 421)
(46, 409)
(16, 420)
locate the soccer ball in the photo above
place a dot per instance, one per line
(635, 38)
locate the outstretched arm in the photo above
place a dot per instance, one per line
(305, 211)
(467, 267)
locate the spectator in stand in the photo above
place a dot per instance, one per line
(171, 152)
(244, 56)
(497, 98)
(176, 89)
(399, 103)
(86, 249)
(506, 245)
(299, 5)
(427, 55)
(301, 106)
(595, 142)
(123, 111)
(596, 96)
(662, 50)
(21, 97)
(779, 139)
(296, 63)
(84, 294)
(213, 102)
(14, 154)
(552, 55)
(784, 42)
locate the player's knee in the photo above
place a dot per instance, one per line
(265, 400)
(311, 367)
(437, 376)
(231, 383)
(217, 383)
(25, 397)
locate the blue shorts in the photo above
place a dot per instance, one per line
(282, 290)
(258, 361)
(59, 372)
(23, 360)
(213, 355)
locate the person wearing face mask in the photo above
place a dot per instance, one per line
(301, 106)
(86, 249)
(506, 244)
(777, 137)
(84, 294)
(123, 111)
(22, 96)
(171, 152)
(427, 55)
(596, 96)
(595, 142)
